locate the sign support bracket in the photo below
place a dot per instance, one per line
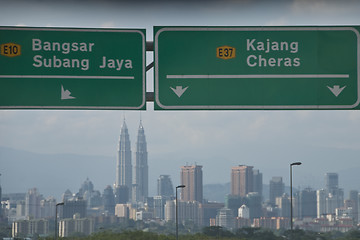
(150, 48)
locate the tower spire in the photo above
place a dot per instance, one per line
(141, 167)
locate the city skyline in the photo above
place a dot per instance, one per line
(326, 140)
(191, 175)
(244, 206)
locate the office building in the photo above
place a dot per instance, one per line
(165, 186)
(31, 227)
(47, 207)
(141, 170)
(170, 211)
(307, 203)
(283, 204)
(67, 195)
(332, 181)
(123, 165)
(258, 182)
(32, 204)
(210, 210)
(334, 194)
(72, 207)
(87, 192)
(254, 202)
(109, 200)
(244, 212)
(121, 194)
(76, 224)
(276, 188)
(320, 203)
(354, 202)
(242, 180)
(159, 206)
(122, 210)
(191, 177)
(225, 218)
(188, 211)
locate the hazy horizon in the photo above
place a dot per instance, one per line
(325, 141)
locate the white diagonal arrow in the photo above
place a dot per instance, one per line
(65, 94)
(179, 90)
(336, 90)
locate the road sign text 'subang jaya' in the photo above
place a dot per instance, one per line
(257, 67)
(61, 68)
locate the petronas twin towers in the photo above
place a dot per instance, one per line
(134, 178)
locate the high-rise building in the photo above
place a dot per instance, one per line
(159, 206)
(141, 170)
(191, 177)
(67, 195)
(283, 204)
(87, 192)
(276, 188)
(225, 218)
(121, 194)
(242, 180)
(188, 211)
(165, 186)
(47, 207)
(334, 194)
(244, 212)
(109, 200)
(253, 202)
(320, 203)
(307, 203)
(258, 182)
(74, 206)
(32, 204)
(332, 181)
(123, 165)
(354, 201)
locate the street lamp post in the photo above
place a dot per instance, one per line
(291, 195)
(56, 214)
(176, 210)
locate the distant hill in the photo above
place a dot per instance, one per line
(53, 174)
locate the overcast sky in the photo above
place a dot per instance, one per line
(325, 141)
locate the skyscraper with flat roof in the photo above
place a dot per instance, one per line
(123, 165)
(165, 186)
(276, 188)
(191, 177)
(258, 182)
(332, 181)
(242, 180)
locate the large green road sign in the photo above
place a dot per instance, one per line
(59, 68)
(257, 67)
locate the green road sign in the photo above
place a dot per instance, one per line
(58, 68)
(257, 67)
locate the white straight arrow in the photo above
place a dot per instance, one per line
(179, 90)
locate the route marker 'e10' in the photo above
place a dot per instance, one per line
(58, 68)
(257, 68)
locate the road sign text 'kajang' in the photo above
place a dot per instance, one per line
(257, 67)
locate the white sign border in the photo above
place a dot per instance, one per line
(143, 103)
(254, 107)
